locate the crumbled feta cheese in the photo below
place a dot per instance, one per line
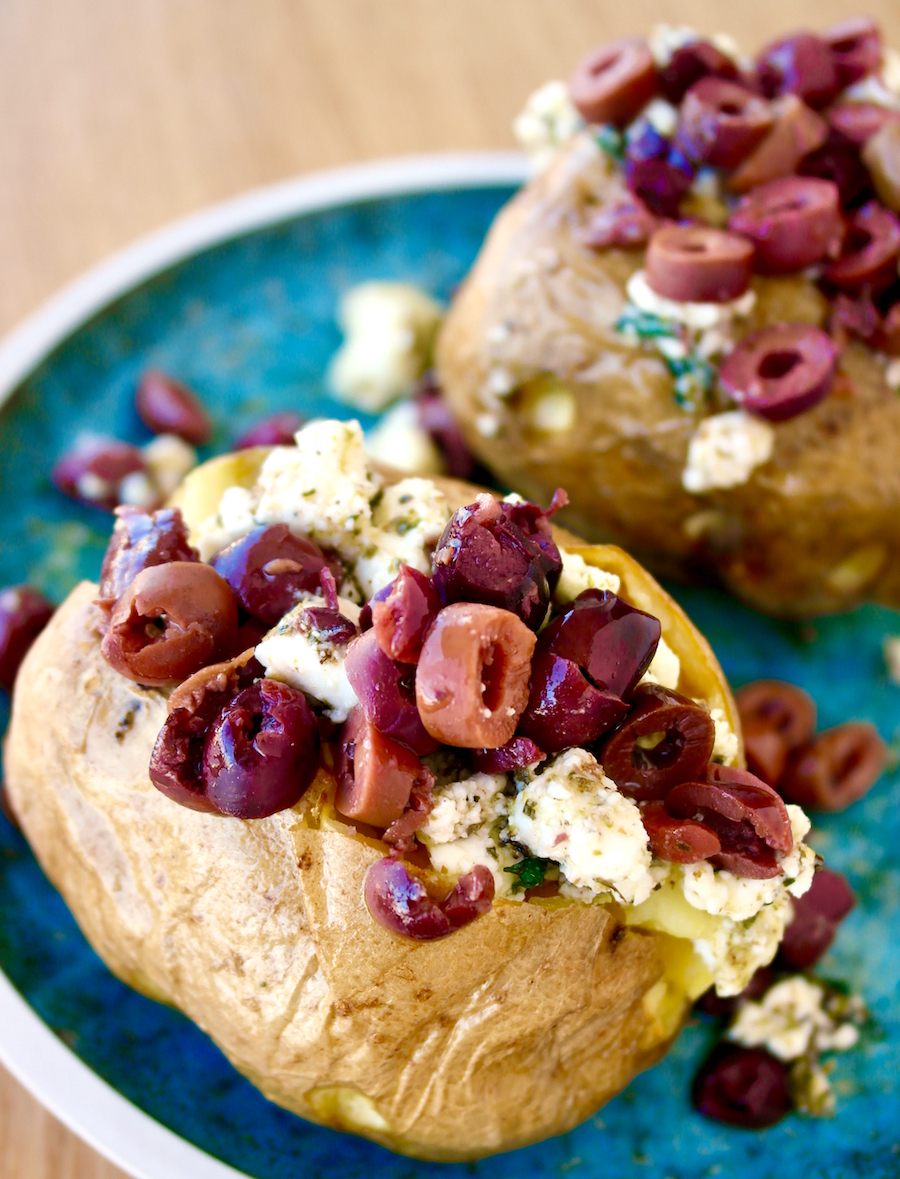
(299, 655)
(735, 950)
(790, 1020)
(892, 374)
(461, 830)
(725, 450)
(320, 488)
(661, 115)
(694, 315)
(665, 39)
(883, 91)
(389, 329)
(400, 442)
(573, 814)
(168, 459)
(548, 120)
(577, 576)
(891, 650)
(664, 669)
(725, 747)
(407, 523)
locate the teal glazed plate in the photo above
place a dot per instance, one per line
(239, 302)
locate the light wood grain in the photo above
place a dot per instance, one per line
(117, 117)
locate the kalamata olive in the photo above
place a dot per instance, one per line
(261, 752)
(871, 251)
(401, 834)
(376, 774)
(613, 643)
(436, 419)
(746, 1087)
(172, 620)
(858, 121)
(277, 430)
(748, 816)
(776, 719)
(680, 841)
(94, 470)
(139, 540)
(780, 371)
(625, 224)
(698, 264)
(329, 626)
(472, 677)
(614, 81)
(24, 612)
(857, 317)
(483, 556)
(796, 132)
(270, 570)
(689, 63)
(166, 406)
(403, 617)
(836, 768)
(721, 122)
(817, 915)
(881, 155)
(792, 222)
(803, 65)
(514, 755)
(855, 47)
(208, 690)
(838, 161)
(401, 903)
(386, 690)
(665, 739)
(564, 708)
(660, 182)
(534, 523)
(725, 1007)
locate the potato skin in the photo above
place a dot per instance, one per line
(815, 529)
(516, 1027)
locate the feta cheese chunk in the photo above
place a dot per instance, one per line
(548, 120)
(407, 523)
(725, 746)
(299, 655)
(577, 576)
(389, 329)
(399, 441)
(699, 316)
(461, 830)
(664, 669)
(790, 1020)
(573, 814)
(725, 450)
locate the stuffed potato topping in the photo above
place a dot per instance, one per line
(431, 816)
(689, 316)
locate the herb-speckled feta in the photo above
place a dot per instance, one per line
(573, 814)
(791, 1019)
(462, 829)
(725, 450)
(299, 655)
(699, 316)
(725, 746)
(407, 522)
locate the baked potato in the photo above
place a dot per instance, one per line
(514, 1027)
(569, 354)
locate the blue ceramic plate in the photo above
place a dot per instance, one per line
(240, 303)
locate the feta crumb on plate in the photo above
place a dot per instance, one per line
(725, 450)
(791, 1019)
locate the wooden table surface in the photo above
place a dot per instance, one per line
(118, 117)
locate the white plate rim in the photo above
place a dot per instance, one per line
(41, 1062)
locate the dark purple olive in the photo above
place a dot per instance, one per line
(839, 161)
(803, 65)
(166, 406)
(660, 183)
(664, 740)
(625, 224)
(871, 251)
(612, 642)
(402, 618)
(721, 122)
(835, 768)
(725, 1007)
(748, 816)
(534, 523)
(859, 121)
(437, 420)
(261, 752)
(564, 708)
(613, 82)
(139, 540)
(93, 470)
(746, 1087)
(792, 222)
(401, 903)
(277, 430)
(387, 693)
(329, 625)
(689, 63)
(484, 557)
(776, 719)
(698, 264)
(856, 47)
(817, 915)
(270, 570)
(24, 612)
(375, 774)
(680, 841)
(780, 371)
(514, 755)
